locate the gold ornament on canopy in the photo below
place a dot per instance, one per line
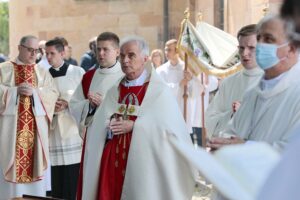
(209, 49)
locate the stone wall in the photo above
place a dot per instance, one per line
(79, 20)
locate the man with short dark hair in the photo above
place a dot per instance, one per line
(96, 82)
(64, 141)
(27, 104)
(229, 96)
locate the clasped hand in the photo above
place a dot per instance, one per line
(25, 89)
(60, 105)
(235, 106)
(119, 126)
(218, 142)
(95, 99)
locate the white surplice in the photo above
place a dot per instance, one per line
(65, 142)
(102, 81)
(231, 89)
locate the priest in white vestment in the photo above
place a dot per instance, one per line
(272, 108)
(284, 181)
(231, 90)
(143, 120)
(97, 81)
(28, 96)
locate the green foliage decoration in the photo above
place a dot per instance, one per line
(4, 28)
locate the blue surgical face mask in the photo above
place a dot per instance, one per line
(266, 55)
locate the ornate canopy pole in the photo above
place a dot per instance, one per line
(203, 77)
(185, 94)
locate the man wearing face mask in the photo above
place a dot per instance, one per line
(284, 180)
(271, 109)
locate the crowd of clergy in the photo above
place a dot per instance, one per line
(118, 126)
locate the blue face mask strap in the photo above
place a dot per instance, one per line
(282, 45)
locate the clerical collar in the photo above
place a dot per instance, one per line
(58, 68)
(136, 82)
(108, 67)
(271, 83)
(59, 71)
(113, 69)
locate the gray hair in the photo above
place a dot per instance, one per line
(142, 44)
(25, 38)
(266, 19)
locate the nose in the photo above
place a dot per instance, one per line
(101, 52)
(125, 59)
(246, 52)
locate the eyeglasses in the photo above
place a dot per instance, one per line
(31, 50)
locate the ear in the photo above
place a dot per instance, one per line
(118, 52)
(293, 48)
(63, 53)
(176, 49)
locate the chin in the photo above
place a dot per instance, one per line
(246, 64)
(129, 75)
(104, 65)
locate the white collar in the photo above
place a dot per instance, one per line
(136, 82)
(115, 68)
(271, 83)
(253, 72)
(58, 68)
(179, 65)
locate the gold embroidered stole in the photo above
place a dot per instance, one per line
(26, 127)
